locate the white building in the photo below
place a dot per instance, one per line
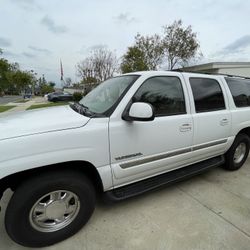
(73, 90)
(228, 68)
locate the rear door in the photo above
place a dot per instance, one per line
(143, 149)
(211, 116)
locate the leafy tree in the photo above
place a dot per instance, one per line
(14, 66)
(176, 47)
(151, 47)
(4, 68)
(77, 96)
(179, 44)
(12, 79)
(133, 60)
(52, 84)
(19, 81)
(46, 88)
(43, 80)
(146, 54)
(89, 79)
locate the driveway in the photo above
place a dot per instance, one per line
(7, 99)
(209, 211)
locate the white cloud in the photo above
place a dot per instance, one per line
(125, 18)
(29, 55)
(52, 26)
(5, 42)
(39, 33)
(26, 4)
(238, 45)
(39, 50)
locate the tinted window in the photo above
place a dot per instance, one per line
(207, 95)
(240, 89)
(165, 94)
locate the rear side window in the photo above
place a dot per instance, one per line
(164, 93)
(207, 94)
(240, 90)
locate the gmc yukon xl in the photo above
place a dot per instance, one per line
(132, 133)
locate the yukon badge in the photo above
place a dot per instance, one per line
(128, 156)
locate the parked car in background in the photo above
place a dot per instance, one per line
(59, 96)
(27, 96)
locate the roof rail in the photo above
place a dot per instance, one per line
(209, 73)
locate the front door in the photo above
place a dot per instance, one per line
(142, 149)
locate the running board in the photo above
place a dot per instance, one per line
(143, 186)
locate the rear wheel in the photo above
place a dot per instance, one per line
(238, 153)
(49, 208)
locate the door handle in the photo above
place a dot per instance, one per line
(185, 127)
(224, 122)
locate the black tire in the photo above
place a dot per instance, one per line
(231, 163)
(18, 219)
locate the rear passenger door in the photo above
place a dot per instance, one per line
(211, 117)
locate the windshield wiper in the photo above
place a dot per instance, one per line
(81, 109)
(86, 109)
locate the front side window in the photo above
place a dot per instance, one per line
(164, 93)
(207, 94)
(107, 94)
(240, 90)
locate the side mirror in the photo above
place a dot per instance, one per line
(139, 111)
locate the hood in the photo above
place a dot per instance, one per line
(40, 121)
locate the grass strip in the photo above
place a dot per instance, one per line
(5, 108)
(46, 105)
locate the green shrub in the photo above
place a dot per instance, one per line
(77, 96)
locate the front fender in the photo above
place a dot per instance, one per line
(89, 143)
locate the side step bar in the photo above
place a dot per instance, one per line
(163, 179)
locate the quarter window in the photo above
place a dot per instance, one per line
(240, 90)
(164, 93)
(207, 94)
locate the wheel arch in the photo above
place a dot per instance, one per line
(84, 167)
(245, 131)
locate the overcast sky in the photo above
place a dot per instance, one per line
(36, 34)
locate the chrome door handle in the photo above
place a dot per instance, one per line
(224, 122)
(185, 127)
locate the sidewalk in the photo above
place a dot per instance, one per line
(23, 106)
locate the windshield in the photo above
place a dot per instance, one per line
(103, 97)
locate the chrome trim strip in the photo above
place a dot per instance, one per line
(210, 144)
(155, 158)
(171, 154)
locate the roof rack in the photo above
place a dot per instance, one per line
(209, 73)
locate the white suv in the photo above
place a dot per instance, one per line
(131, 134)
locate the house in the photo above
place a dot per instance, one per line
(72, 90)
(227, 68)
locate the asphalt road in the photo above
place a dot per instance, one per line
(209, 211)
(7, 99)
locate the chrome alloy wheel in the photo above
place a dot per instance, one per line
(54, 211)
(240, 152)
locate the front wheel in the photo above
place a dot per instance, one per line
(238, 153)
(49, 208)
